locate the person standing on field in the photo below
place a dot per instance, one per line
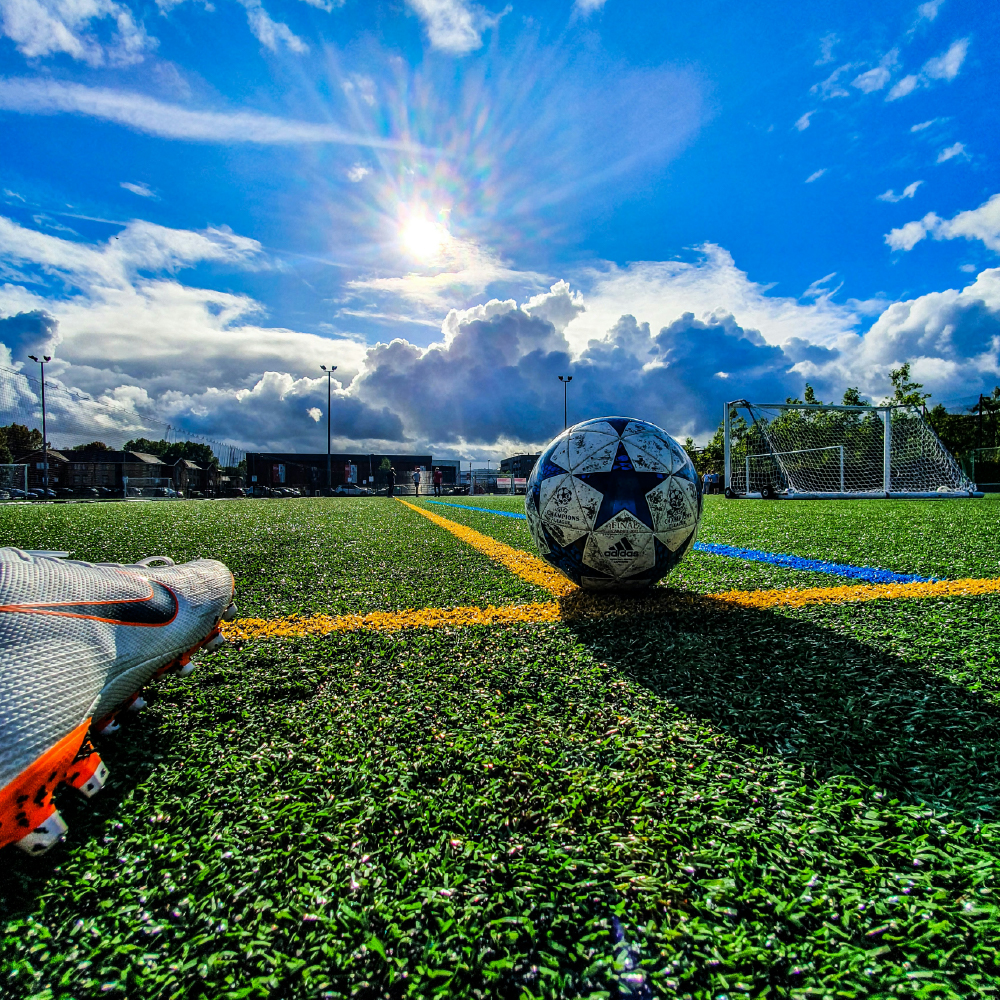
(416, 482)
(438, 479)
(390, 481)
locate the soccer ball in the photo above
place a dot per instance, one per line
(614, 503)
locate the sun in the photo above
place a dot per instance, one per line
(424, 239)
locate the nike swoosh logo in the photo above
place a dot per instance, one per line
(157, 609)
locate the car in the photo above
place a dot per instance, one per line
(350, 490)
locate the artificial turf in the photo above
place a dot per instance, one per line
(714, 803)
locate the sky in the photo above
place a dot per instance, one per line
(454, 203)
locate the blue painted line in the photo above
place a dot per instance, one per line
(485, 510)
(871, 574)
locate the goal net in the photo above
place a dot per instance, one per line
(814, 450)
(148, 489)
(13, 482)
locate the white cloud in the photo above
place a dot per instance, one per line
(920, 126)
(826, 45)
(908, 192)
(803, 123)
(908, 236)
(947, 65)
(658, 292)
(875, 79)
(816, 175)
(929, 11)
(652, 339)
(832, 86)
(905, 86)
(982, 223)
(142, 190)
(171, 121)
(358, 173)
(122, 325)
(271, 34)
(943, 67)
(463, 269)
(586, 7)
(454, 26)
(46, 27)
(950, 152)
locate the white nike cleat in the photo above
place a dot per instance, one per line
(78, 642)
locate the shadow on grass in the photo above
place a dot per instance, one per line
(808, 695)
(130, 756)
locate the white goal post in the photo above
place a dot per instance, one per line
(815, 450)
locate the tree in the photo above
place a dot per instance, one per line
(146, 446)
(811, 396)
(905, 392)
(853, 398)
(93, 446)
(170, 451)
(19, 440)
(5, 455)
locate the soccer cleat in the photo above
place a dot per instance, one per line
(78, 642)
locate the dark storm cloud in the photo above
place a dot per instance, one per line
(496, 379)
(28, 333)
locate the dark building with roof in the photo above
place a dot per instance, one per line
(519, 466)
(308, 472)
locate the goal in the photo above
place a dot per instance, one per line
(808, 450)
(148, 488)
(13, 482)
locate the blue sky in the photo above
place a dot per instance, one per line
(679, 203)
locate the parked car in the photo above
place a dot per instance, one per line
(41, 494)
(350, 490)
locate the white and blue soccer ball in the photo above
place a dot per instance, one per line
(613, 503)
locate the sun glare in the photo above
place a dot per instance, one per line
(425, 239)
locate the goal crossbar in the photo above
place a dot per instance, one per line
(783, 449)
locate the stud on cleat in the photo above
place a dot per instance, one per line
(137, 704)
(186, 669)
(88, 775)
(111, 727)
(216, 642)
(47, 834)
(230, 613)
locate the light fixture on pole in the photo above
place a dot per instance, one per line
(329, 392)
(565, 379)
(45, 442)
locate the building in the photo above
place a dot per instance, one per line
(267, 470)
(58, 469)
(74, 469)
(518, 465)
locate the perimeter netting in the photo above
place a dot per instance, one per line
(816, 450)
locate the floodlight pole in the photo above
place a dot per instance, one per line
(329, 391)
(45, 440)
(565, 379)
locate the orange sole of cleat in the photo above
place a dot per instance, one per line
(26, 802)
(88, 775)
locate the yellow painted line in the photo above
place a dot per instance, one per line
(862, 592)
(391, 621)
(523, 564)
(581, 605)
